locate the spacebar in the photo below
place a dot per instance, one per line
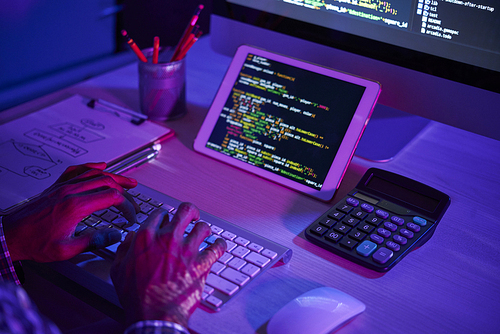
(221, 284)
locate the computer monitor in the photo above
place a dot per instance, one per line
(437, 59)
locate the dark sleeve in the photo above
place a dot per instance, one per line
(7, 270)
(19, 315)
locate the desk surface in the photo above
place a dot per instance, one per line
(451, 284)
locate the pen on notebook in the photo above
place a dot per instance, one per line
(124, 113)
(135, 160)
(156, 49)
(186, 33)
(134, 46)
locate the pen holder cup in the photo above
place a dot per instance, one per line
(162, 86)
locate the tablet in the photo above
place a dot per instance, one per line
(286, 120)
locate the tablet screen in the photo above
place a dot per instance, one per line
(283, 119)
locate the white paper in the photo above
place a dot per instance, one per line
(37, 148)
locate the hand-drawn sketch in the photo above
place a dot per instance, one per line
(33, 160)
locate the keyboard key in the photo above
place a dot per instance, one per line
(382, 214)
(241, 241)
(221, 284)
(328, 222)
(397, 220)
(333, 236)
(348, 243)
(269, 253)
(146, 208)
(217, 267)
(228, 235)
(319, 230)
(382, 255)
(216, 229)
(235, 276)
(366, 248)
(230, 245)
(214, 301)
(141, 217)
(250, 270)
(225, 258)
(336, 215)
(257, 259)
(144, 197)
(155, 203)
(255, 247)
(383, 232)
(420, 221)
(406, 233)
(367, 207)
(208, 289)
(413, 227)
(120, 222)
(240, 251)
(352, 202)
(236, 263)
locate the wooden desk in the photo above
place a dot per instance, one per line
(450, 285)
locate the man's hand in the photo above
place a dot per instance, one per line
(158, 273)
(43, 229)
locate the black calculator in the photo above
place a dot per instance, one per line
(381, 220)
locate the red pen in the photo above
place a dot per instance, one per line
(186, 33)
(156, 49)
(134, 47)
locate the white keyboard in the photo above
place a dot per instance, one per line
(248, 255)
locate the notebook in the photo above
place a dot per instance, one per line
(286, 120)
(37, 148)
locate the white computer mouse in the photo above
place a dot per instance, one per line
(318, 311)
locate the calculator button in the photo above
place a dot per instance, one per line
(359, 214)
(367, 208)
(351, 221)
(366, 248)
(393, 246)
(420, 221)
(336, 215)
(357, 235)
(345, 208)
(333, 236)
(367, 228)
(374, 220)
(413, 227)
(352, 202)
(382, 255)
(397, 220)
(318, 230)
(376, 238)
(382, 214)
(405, 233)
(342, 228)
(400, 240)
(327, 222)
(348, 243)
(390, 226)
(383, 232)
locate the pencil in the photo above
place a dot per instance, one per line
(156, 49)
(189, 44)
(186, 33)
(134, 47)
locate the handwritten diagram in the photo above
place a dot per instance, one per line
(33, 160)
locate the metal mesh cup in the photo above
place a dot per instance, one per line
(162, 87)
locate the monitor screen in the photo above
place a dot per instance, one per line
(437, 59)
(453, 39)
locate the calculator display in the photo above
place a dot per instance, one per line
(414, 198)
